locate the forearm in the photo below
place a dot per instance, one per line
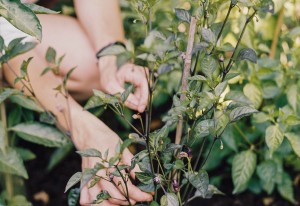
(101, 19)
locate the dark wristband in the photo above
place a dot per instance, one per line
(98, 54)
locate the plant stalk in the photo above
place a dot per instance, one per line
(186, 74)
(276, 33)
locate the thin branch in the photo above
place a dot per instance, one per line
(276, 33)
(186, 74)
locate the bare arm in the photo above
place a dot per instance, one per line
(101, 19)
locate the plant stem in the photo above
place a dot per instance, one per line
(276, 33)
(125, 182)
(225, 21)
(242, 133)
(229, 65)
(186, 74)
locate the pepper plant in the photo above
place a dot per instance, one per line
(206, 109)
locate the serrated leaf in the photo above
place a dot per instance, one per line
(26, 102)
(113, 49)
(12, 163)
(169, 199)
(40, 9)
(40, 134)
(73, 180)
(274, 137)
(254, 94)
(247, 54)
(294, 140)
(241, 112)
(21, 17)
(90, 153)
(266, 172)
(200, 181)
(243, 167)
(286, 189)
(126, 93)
(183, 15)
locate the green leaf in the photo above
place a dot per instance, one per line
(154, 203)
(144, 177)
(220, 88)
(292, 96)
(241, 112)
(254, 94)
(204, 127)
(51, 55)
(147, 187)
(292, 120)
(67, 76)
(73, 197)
(24, 66)
(294, 140)
(248, 54)
(169, 199)
(7, 93)
(126, 93)
(274, 137)
(58, 155)
(212, 190)
(16, 47)
(164, 68)
(24, 153)
(266, 6)
(93, 102)
(183, 15)
(179, 164)
(126, 144)
(146, 57)
(103, 195)
(40, 134)
(200, 181)
(208, 66)
(90, 153)
(40, 9)
(73, 180)
(12, 163)
(286, 190)
(26, 102)
(243, 167)
(106, 98)
(90, 173)
(46, 70)
(266, 172)
(21, 17)
(197, 78)
(113, 49)
(123, 58)
(208, 35)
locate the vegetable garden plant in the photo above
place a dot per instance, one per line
(234, 103)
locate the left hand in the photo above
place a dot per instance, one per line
(112, 81)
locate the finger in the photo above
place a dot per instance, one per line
(84, 196)
(132, 102)
(136, 194)
(143, 90)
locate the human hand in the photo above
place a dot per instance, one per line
(112, 81)
(89, 132)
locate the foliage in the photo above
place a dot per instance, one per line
(233, 76)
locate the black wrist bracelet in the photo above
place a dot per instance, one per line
(117, 43)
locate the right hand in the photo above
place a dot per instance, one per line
(92, 133)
